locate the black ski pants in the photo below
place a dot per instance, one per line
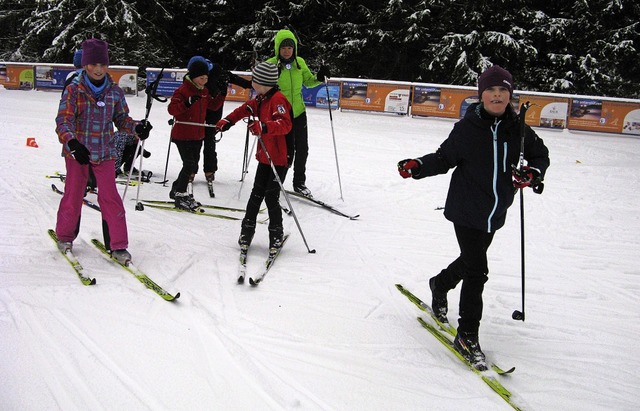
(190, 154)
(472, 269)
(300, 149)
(266, 187)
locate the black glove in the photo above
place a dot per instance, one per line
(323, 74)
(224, 124)
(192, 100)
(79, 151)
(143, 128)
(409, 168)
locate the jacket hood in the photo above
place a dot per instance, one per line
(281, 35)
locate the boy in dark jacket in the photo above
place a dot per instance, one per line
(270, 114)
(189, 104)
(483, 147)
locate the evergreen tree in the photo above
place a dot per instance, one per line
(582, 47)
(55, 29)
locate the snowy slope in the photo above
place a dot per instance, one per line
(325, 331)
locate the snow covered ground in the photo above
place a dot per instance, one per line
(325, 331)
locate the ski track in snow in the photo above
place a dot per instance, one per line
(325, 331)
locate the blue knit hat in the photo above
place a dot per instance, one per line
(199, 58)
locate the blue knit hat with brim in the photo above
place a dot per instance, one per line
(198, 68)
(200, 58)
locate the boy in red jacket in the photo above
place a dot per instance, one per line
(270, 120)
(189, 104)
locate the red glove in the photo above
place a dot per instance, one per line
(526, 177)
(408, 168)
(257, 128)
(223, 125)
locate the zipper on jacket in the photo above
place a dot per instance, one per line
(494, 132)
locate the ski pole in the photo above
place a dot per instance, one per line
(286, 197)
(275, 173)
(335, 149)
(190, 123)
(151, 94)
(519, 315)
(139, 205)
(245, 161)
(247, 167)
(166, 164)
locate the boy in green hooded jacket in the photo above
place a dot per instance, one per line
(293, 74)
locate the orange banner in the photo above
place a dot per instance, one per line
(604, 116)
(442, 102)
(384, 97)
(126, 78)
(545, 111)
(17, 76)
(237, 93)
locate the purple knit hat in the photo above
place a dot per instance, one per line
(495, 76)
(95, 51)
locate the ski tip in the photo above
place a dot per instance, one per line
(176, 297)
(92, 282)
(240, 280)
(254, 282)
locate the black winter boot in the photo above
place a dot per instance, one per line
(276, 237)
(247, 231)
(439, 303)
(468, 346)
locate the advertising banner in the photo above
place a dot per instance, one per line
(545, 111)
(53, 77)
(172, 79)
(126, 77)
(591, 114)
(369, 96)
(237, 93)
(17, 76)
(317, 96)
(441, 101)
(169, 82)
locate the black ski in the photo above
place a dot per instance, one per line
(84, 200)
(323, 205)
